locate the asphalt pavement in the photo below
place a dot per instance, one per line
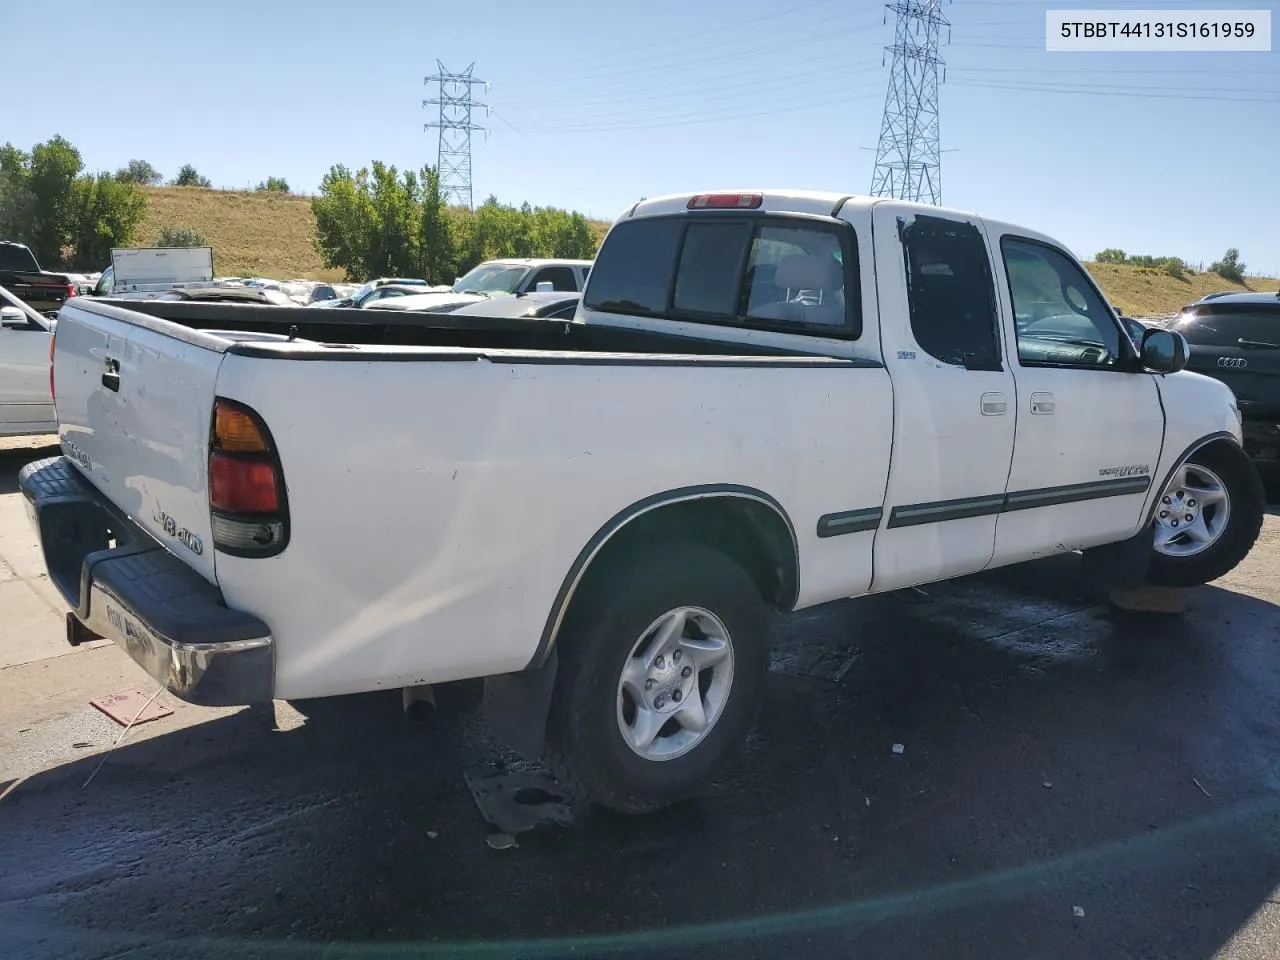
(1073, 782)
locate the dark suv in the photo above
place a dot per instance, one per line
(1235, 338)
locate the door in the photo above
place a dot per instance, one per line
(953, 397)
(1089, 425)
(24, 373)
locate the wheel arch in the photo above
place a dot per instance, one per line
(746, 523)
(1222, 438)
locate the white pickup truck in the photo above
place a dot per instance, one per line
(764, 400)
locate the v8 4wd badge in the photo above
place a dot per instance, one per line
(184, 536)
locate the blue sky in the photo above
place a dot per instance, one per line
(597, 104)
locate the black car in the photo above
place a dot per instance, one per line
(1235, 338)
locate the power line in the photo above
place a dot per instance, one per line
(683, 120)
(769, 46)
(1150, 93)
(453, 155)
(908, 165)
(639, 107)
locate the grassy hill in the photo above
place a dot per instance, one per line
(252, 234)
(1141, 291)
(272, 235)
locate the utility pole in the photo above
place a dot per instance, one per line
(908, 165)
(453, 156)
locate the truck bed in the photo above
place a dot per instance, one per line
(349, 327)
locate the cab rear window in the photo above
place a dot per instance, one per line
(760, 272)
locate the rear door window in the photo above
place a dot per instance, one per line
(951, 293)
(771, 273)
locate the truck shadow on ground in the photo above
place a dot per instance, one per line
(1055, 754)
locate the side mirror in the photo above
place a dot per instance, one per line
(11, 318)
(1164, 351)
(544, 286)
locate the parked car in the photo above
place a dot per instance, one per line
(436, 302)
(503, 278)
(764, 401)
(1235, 338)
(26, 364)
(495, 277)
(368, 295)
(21, 275)
(529, 306)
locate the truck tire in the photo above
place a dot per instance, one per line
(1207, 518)
(662, 667)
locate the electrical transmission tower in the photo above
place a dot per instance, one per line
(908, 166)
(453, 159)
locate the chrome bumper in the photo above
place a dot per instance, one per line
(169, 619)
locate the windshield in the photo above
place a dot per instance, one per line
(491, 278)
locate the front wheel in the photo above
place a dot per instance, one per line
(661, 670)
(1207, 519)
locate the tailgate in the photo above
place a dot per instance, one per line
(134, 397)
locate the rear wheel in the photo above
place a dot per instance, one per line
(1207, 518)
(661, 670)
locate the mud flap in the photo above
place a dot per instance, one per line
(1119, 566)
(516, 706)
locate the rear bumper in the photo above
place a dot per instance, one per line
(123, 585)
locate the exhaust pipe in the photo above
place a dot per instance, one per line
(419, 703)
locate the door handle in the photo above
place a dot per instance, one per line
(994, 405)
(111, 379)
(1042, 403)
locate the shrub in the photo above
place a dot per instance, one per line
(180, 237)
(1229, 267)
(188, 176)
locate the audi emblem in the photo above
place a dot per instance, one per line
(1234, 362)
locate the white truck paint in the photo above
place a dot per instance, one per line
(26, 408)
(452, 506)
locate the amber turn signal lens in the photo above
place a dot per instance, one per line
(236, 431)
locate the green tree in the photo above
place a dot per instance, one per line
(436, 262)
(106, 212)
(67, 218)
(274, 185)
(1111, 255)
(180, 237)
(344, 221)
(54, 166)
(139, 172)
(380, 222)
(1229, 267)
(188, 176)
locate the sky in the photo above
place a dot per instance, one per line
(591, 106)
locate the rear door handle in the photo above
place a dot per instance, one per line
(994, 405)
(1042, 403)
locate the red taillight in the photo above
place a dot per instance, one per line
(71, 289)
(247, 501)
(242, 485)
(52, 340)
(726, 201)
